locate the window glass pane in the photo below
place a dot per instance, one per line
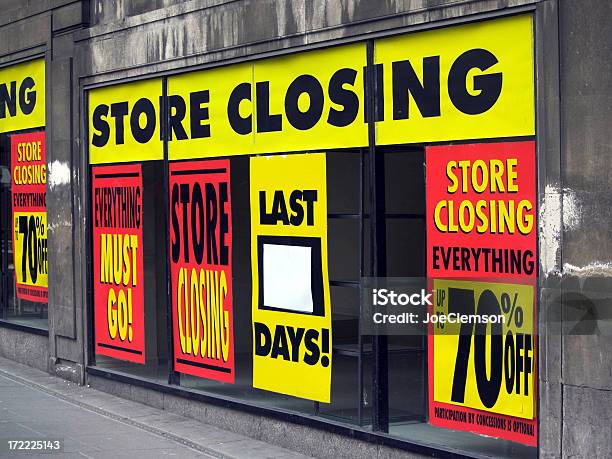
(15, 307)
(343, 179)
(405, 247)
(351, 372)
(407, 355)
(343, 241)
(154, 264)
(343, 182)
(242, 388)
(404, 181)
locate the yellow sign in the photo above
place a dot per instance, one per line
(311, 100)
(291, 303)
(30, 248)
(471, 81)
(282, 104)
(485, 366)
(22, 96)
(210, 112)
(124, 123)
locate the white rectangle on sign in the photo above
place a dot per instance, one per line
(287, 277)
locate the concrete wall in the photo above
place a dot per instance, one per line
(45, 27)
(586, 174)
(26, 348)
(202, 31)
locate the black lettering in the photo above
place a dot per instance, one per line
(197, 222)
(176, 244)
(304, 84)
(426, 95)
(239, 124)
(446, 257)
(295, 338)
(223, 224)
(311, 356)
(118, 111)
(528, 263)
(465, 259)
(279, 208)
(527, 365)
(143, 135)
(265, 121)
(198, 113)
(211, 224)
(344, 97)
(176, 114)
(8, 99)
(264, 217)
(100, 125)
(297, 216)
(310, 197)
(519, 360)
(436, 257)
(262, 338)
(185, 200)
(27, 97)
(488, 388)
(489, 86)
(279, 346)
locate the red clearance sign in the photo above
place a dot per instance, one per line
(29, 204)
(481, 249)
(481, 210)
(201, 269)
(118, 262)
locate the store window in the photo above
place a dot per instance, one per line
(129, 276)
(350, 373)
(404, 216)
(251, 233)
(23, 221)
(23, 193)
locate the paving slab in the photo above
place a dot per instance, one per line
(93, 424)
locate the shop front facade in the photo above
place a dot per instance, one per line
(197, 197)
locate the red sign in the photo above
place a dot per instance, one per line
(29, 203)
(201, 268)
(481, 258)
(118, 262)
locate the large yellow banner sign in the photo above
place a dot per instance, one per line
(470, 81)
(291, 304)
(124, 123)
(22, 96)
(466, 82)
(304, 101)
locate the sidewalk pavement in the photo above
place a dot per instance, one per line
(36, 406)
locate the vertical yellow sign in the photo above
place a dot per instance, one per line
(291, 302)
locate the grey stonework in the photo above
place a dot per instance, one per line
(100, 41)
